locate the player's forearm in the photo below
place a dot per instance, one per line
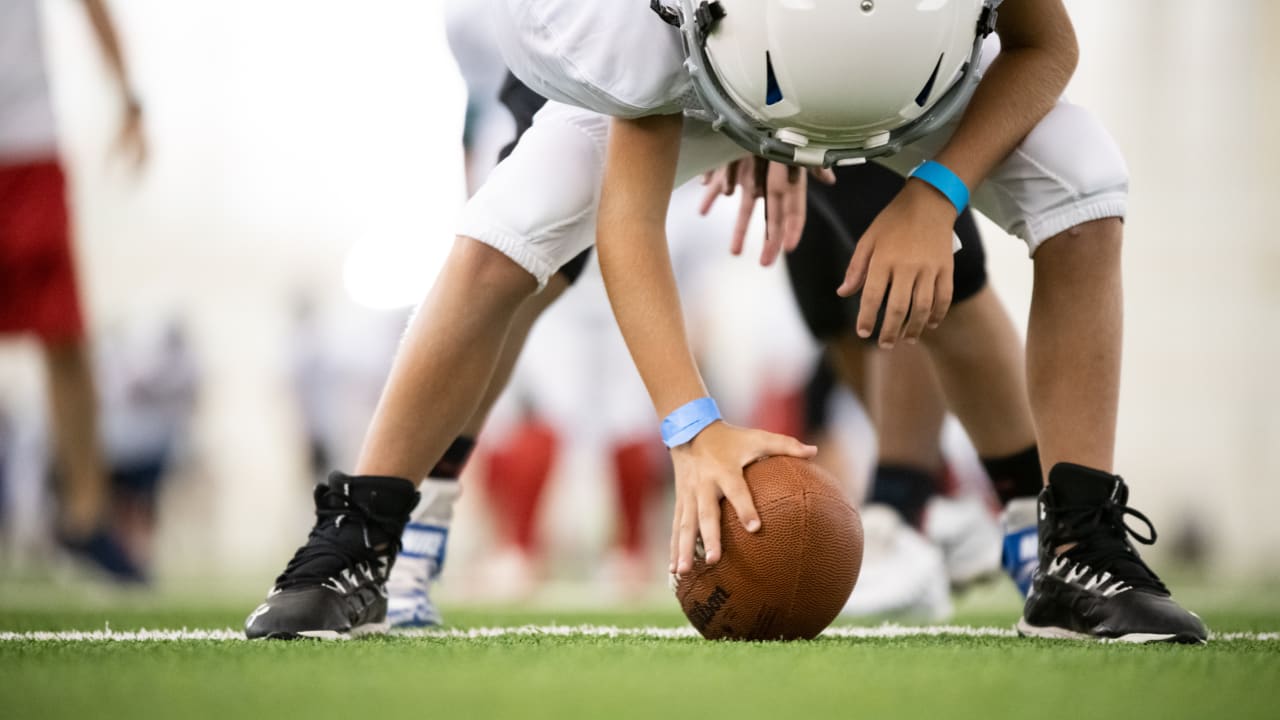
(109, 41)
(1037, 58)
(634, 261)
(642, 291)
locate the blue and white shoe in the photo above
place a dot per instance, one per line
(421, 558)
(1020, 556)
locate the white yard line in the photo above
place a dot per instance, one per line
(860, 633)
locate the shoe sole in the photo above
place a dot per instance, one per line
(379, 628)
(1026, 629)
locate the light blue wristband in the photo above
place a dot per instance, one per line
(685, 422)
(944, 181)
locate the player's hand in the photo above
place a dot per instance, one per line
(783, 188)
(131, 142)
(709, 468)
(906, 256)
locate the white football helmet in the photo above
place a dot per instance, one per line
(824, 82)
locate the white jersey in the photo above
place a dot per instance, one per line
(614, 57)
(26, 111)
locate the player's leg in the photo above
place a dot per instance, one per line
(1091, 581)
(907, 406)
(914, 476)
(902, 573)
(1064, 191)
(979, 363)
(517, 230)
(905, 399)
(1073, 369)
(979, 360)
(73, 410)
(424, 542)
(1073, 344)
(41, 296)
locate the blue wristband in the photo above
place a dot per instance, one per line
(944, 181)
(685, 422)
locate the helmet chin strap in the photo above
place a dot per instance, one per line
(696, 19)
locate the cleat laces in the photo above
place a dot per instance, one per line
(1102, 545)
(332, 552)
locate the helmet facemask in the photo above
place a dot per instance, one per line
(757, 112)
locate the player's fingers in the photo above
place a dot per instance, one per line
(730, 178)
(774, 215)
(688, 535)
(796, 215)
(709, 198)
(767, 444)
(896, 309)
(674, 555)
(826, 176)
(942, 294)
(735, 490)
(921, 309)
(746, 206)
(709, 526)
(873, 290)
(856, 274)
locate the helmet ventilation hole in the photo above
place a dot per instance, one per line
(923, 97)
(773, 93)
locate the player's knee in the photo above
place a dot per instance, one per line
(490, 270)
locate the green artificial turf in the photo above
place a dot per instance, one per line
(629, 677)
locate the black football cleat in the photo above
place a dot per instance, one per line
(335, 585)
(1098, 589)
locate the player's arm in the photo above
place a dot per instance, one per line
(639, 174)
(131, 138)
(906, 252)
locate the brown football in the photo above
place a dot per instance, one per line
(790, 579)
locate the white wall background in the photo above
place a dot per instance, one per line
(286, 132)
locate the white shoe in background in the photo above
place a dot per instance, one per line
(968, 535)
(903, 574)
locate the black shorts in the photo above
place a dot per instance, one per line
(523, 104)
(837, 216)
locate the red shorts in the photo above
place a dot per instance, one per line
(38, 292)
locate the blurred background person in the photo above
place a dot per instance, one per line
(39, 294)
(149, 383)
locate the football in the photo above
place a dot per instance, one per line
(790, 579)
